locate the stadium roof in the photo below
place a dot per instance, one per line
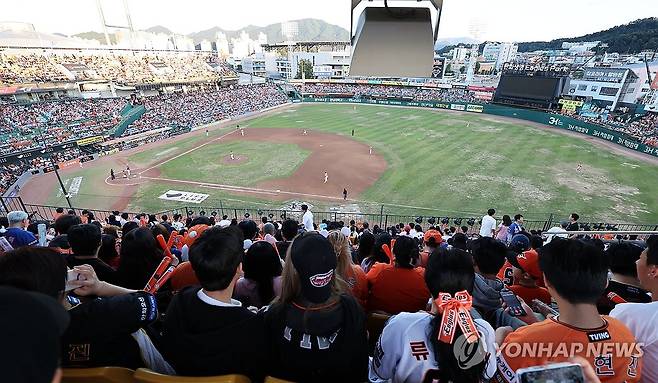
(38, 39)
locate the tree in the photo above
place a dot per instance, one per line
(462, 70)
(307, 67)
(449, 68)
(477, 67)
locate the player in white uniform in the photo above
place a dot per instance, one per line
(232, 156)
(326, 177)
(406, 350)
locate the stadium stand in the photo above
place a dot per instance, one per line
(575, 269)
(134, 67)
(44, 124)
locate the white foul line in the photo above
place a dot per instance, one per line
(186, 152)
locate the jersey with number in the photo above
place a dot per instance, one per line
(404, 351)
(506, 274)
(611, 349)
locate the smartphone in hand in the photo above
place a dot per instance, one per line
(554, 373)
(510, 299)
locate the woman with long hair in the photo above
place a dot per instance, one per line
(501, 233)
(139, 257)
(378, 255)
(365, 248)
(449, 277)
(316, 332)
(108, 251)
(399, 286)
(347, 271)
(262, 276)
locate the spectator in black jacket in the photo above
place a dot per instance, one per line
(85, 241)
(105, 331)
(206, 332)
(315, 331)
(622, 258)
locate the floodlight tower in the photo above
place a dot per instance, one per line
(129, 27)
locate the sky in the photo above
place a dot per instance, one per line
(500, 20)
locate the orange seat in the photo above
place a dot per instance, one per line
(271, 379)
(144, 375)
(98, 375)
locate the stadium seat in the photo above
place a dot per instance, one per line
(375, 325)
(144, 375)
(98, 375)
(271, 379)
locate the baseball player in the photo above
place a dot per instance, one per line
(128, 171)
(304, 133)
(242, 132)
(326, 177)
(232, 156)
(370, 151)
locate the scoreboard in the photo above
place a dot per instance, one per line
(537, 86)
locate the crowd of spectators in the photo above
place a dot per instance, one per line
(388, 91)
(274, 299)
(28, 68)
(27, 126)
(134, 67)
(200, 108)
(38, 125)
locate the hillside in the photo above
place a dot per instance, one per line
(309, 30)
(159, 29)
(633, 37)
(98, 36)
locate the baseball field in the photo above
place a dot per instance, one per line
(410, 161)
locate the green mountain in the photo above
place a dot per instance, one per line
(309, 30)
(159, 29)
(634, 37)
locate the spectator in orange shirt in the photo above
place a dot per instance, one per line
(398, 287)
(347, 271)
(575, 272)
(526, 274)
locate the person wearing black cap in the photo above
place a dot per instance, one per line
(315, 331)
(31, 325)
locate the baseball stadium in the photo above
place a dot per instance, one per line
(369, 198)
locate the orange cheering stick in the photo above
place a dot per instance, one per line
(164, 270)
(387, 250)
(615, 298)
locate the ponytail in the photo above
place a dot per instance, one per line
(449, 276)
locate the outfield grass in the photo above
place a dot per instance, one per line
(455, 163)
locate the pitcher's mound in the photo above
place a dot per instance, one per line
(238, 159)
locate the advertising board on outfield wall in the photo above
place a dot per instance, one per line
(552, 120)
